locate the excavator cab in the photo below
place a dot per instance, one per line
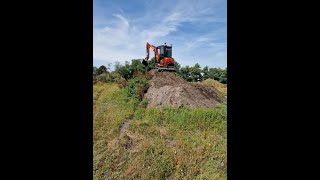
(165, 51)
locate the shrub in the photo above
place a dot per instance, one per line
(122, 83)
(102, 78)
(137, 87)
(111, 77)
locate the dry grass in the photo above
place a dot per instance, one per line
(110, 109)
(216, 84)
(172, 144)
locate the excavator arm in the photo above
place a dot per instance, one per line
(148, 46)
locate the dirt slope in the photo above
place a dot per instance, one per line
(168, 89)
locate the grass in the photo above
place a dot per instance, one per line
(110, 108)
(216, 84)
(169, 143)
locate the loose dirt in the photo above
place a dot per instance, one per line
(168, 89)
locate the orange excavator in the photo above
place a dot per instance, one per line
(163, 60)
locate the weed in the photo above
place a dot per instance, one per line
(178, 143)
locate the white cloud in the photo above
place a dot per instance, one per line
(124, 38)
(123, 19)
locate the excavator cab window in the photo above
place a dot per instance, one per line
(165, 51)
(161, 52)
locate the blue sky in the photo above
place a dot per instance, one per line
(197, 29)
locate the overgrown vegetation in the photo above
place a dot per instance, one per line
(172, 143)
(177, 143)
(136, 68)
(137, 87)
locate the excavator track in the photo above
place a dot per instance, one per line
(165, 69)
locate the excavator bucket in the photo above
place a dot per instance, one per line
(145, 62)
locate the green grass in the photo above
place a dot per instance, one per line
(110, 108)
(178, 143)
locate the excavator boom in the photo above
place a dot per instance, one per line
(155, 50)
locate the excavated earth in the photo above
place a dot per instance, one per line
(168, 89)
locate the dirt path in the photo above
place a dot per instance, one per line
(124, 128)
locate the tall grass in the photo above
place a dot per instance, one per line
(199, 136)
(216, 84)
(178, 143)
(110, 109)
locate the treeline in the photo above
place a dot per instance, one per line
(127, 71)
(196, 73)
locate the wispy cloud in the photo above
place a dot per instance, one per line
(197, 29)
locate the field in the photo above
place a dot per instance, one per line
(134, 142)
(216, 84)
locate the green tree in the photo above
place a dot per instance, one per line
(137, 66)
(214, 73)
(177, 66)
(195, 73)
(223, 76)
(102, 70)
(205, 72)
(185, 73)
(124, 71)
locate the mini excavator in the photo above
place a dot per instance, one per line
(163, 60)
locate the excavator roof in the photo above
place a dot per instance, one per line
(165, 45)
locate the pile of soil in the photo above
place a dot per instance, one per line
(166, 88)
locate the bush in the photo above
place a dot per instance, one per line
(101, 70)
(102, 78)
(114, 77)
(122, 83)
(111, 77)
(137, 87)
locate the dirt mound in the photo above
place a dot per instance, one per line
(166, 88)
